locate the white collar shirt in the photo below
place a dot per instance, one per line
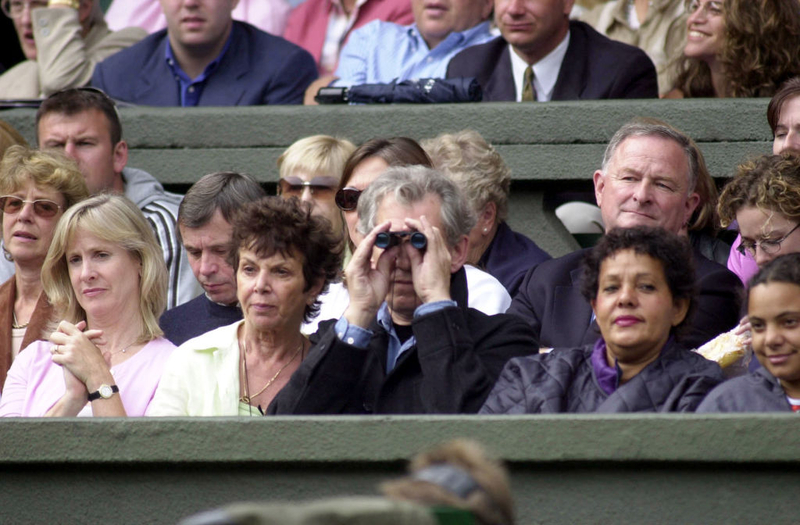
(545, 71)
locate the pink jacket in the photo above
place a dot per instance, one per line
(308, 22)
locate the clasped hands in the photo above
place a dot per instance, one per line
(369, 283)
(75, 350)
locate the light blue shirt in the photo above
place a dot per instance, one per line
(359, 337)
(380, 52)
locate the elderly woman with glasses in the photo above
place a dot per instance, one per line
(36, 188)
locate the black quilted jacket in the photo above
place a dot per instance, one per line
(564, 381)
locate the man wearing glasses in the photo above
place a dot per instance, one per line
(62, 41)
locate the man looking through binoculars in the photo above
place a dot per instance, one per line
(407, 343)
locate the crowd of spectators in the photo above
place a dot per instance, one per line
(227, 52)
(384, 277)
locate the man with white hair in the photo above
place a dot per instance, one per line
(647, 178)
(62, 41)
(407, 343)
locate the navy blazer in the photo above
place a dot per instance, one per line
(594, 67)
(550, 299)
(257, 69)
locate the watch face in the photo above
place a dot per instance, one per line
(105, 391)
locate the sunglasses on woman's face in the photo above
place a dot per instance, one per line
(41, 207)
(319, 186)
(347, 198)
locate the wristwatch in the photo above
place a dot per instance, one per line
(105, 391)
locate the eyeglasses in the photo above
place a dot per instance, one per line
(768, 246)
(15, 8)
(712, 8)
(347, 198)
(41, 207)
(319, 186)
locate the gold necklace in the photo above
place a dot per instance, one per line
(15, 324)
(246, 398)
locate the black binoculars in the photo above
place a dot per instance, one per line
(386, 240)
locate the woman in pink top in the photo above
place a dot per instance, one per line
(106, 279)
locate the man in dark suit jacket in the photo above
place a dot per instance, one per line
(569, 60)
(648, 177)
(204, 58)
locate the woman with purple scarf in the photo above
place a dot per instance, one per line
(640, 283)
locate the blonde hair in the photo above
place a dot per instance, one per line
(491, 503)
(475, 166)
(115, 219)
(316, 155)
(46, 169)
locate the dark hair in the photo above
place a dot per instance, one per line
(783, 269)
(273, 225)
(788, 90)
(77, 100)
(768, 182)
(395, 151)
(673, 252)
(225, 191)
(759, 47)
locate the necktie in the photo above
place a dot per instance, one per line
(528, 91)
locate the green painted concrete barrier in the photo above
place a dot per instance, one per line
(551, 148)
(565, 469)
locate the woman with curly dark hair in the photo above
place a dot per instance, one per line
(738, 48)
(641, 284)
(284, 257)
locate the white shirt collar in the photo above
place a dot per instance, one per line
(545, 71)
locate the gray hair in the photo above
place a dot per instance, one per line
(651, 127)
(409, 185)
(225, 191)
(475, 166)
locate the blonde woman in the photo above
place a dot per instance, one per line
(107, 282)
(310, 170)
